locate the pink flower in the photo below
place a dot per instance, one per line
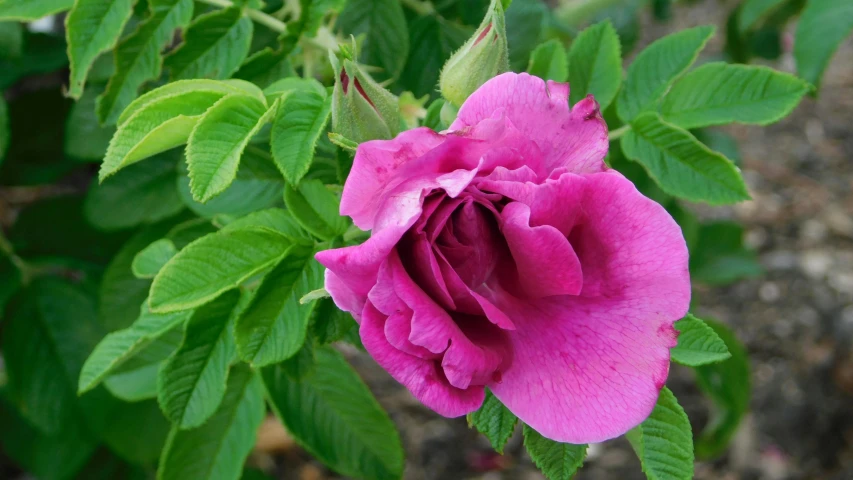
(505, 254)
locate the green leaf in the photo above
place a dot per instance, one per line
(137, 57)
(85, 138)
(134, 385)
(549, 61)
(495, 421)
(218, 449)
(215, 45)
(213, 264)
(558, 461)
(4, 128)
(697, 343)
(335, 417)
(595, 65)
(719, 93)
(680, 164)
(118, 347)
(144, 193)
(266, 66)
(728, 385)
(329, 324)
(28, 10)
(191, 383)
(433, 40)
(293, 85)
(299, 121)
(316, 209)
(218, 140)
(92, 27)
(656, 67)
(151, 259)
(273, 327)
(258, 185)
(526, 21)
(719, 255)
(315, 13)
(46, 338)
(386, 37)
(822, 27)
(302, 364)
(276, 219)
(11, 39)
(137, 432)
(751, 11)
(175, 90)
(664, 441)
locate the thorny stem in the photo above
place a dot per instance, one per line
(618, 132)
(256, 15)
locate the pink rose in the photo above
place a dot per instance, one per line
(505, 254)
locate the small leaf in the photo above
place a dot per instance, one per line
(29, 10)
(823, 25)
(85, 138)
(151, 259)
(299, 121)
(92, 27)
(664, 441)
(557, 461)
(495, 421)
(595, 65)
(697, 343)
(117, 347)
(137, 57)
(218, 449)
(335, 417)
(719, 93)
(218, 140)
(386, 37)
(213, 264)
(680, 164)
(215, 45)
(549, 61)
(272, 328)
(656, 67)
(191, 383)
(316, 209)
(751, 11)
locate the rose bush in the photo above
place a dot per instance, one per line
(505, 254)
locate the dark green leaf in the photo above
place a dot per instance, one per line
(85, 138)
(720, 257)
(386, 37)
(215, 45)
(822, 27)
(664, 441)
(595, 65)
(299, 121)
(433, 40)
(316, 209)
(558, 461)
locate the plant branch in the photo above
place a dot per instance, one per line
(256, 15)
(618, 132)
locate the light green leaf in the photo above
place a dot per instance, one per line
(85, 138)
(386, 37)
(549, 61)
(495, 421)
(258, 185)
(299, 121)
(317, 11)
(558, 461)
(151, 259)
(46, 338)
(751, 11)
(680, 164)
(191, 383)
(218, 449)
(656, 67)
(276, 219)
(137, 57)
(215, 45)
(822, 27)
(595, 65)
(218, 140)
(213, 264)
(289, 85)
(719, 93)
(175, 90)
(698, 344)
(729, 386)
(664, 441)
(144, 193)
(92, 27)
(136, 378)
(28, 10)
(335, 417)
(316, 209)
(272, 328)
(118, 347)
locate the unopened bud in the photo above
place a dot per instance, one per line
(361, 109)
(483, 56)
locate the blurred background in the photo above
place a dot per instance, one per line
(795, 317)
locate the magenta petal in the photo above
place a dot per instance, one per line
(424, 378)
(546, 263)
(576, 139)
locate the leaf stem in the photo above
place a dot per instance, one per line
(256, 15)
(618, 132)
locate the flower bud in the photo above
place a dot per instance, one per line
(483, 56)
(361, 109)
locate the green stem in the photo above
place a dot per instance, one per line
(256, 15)
(618, 132)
